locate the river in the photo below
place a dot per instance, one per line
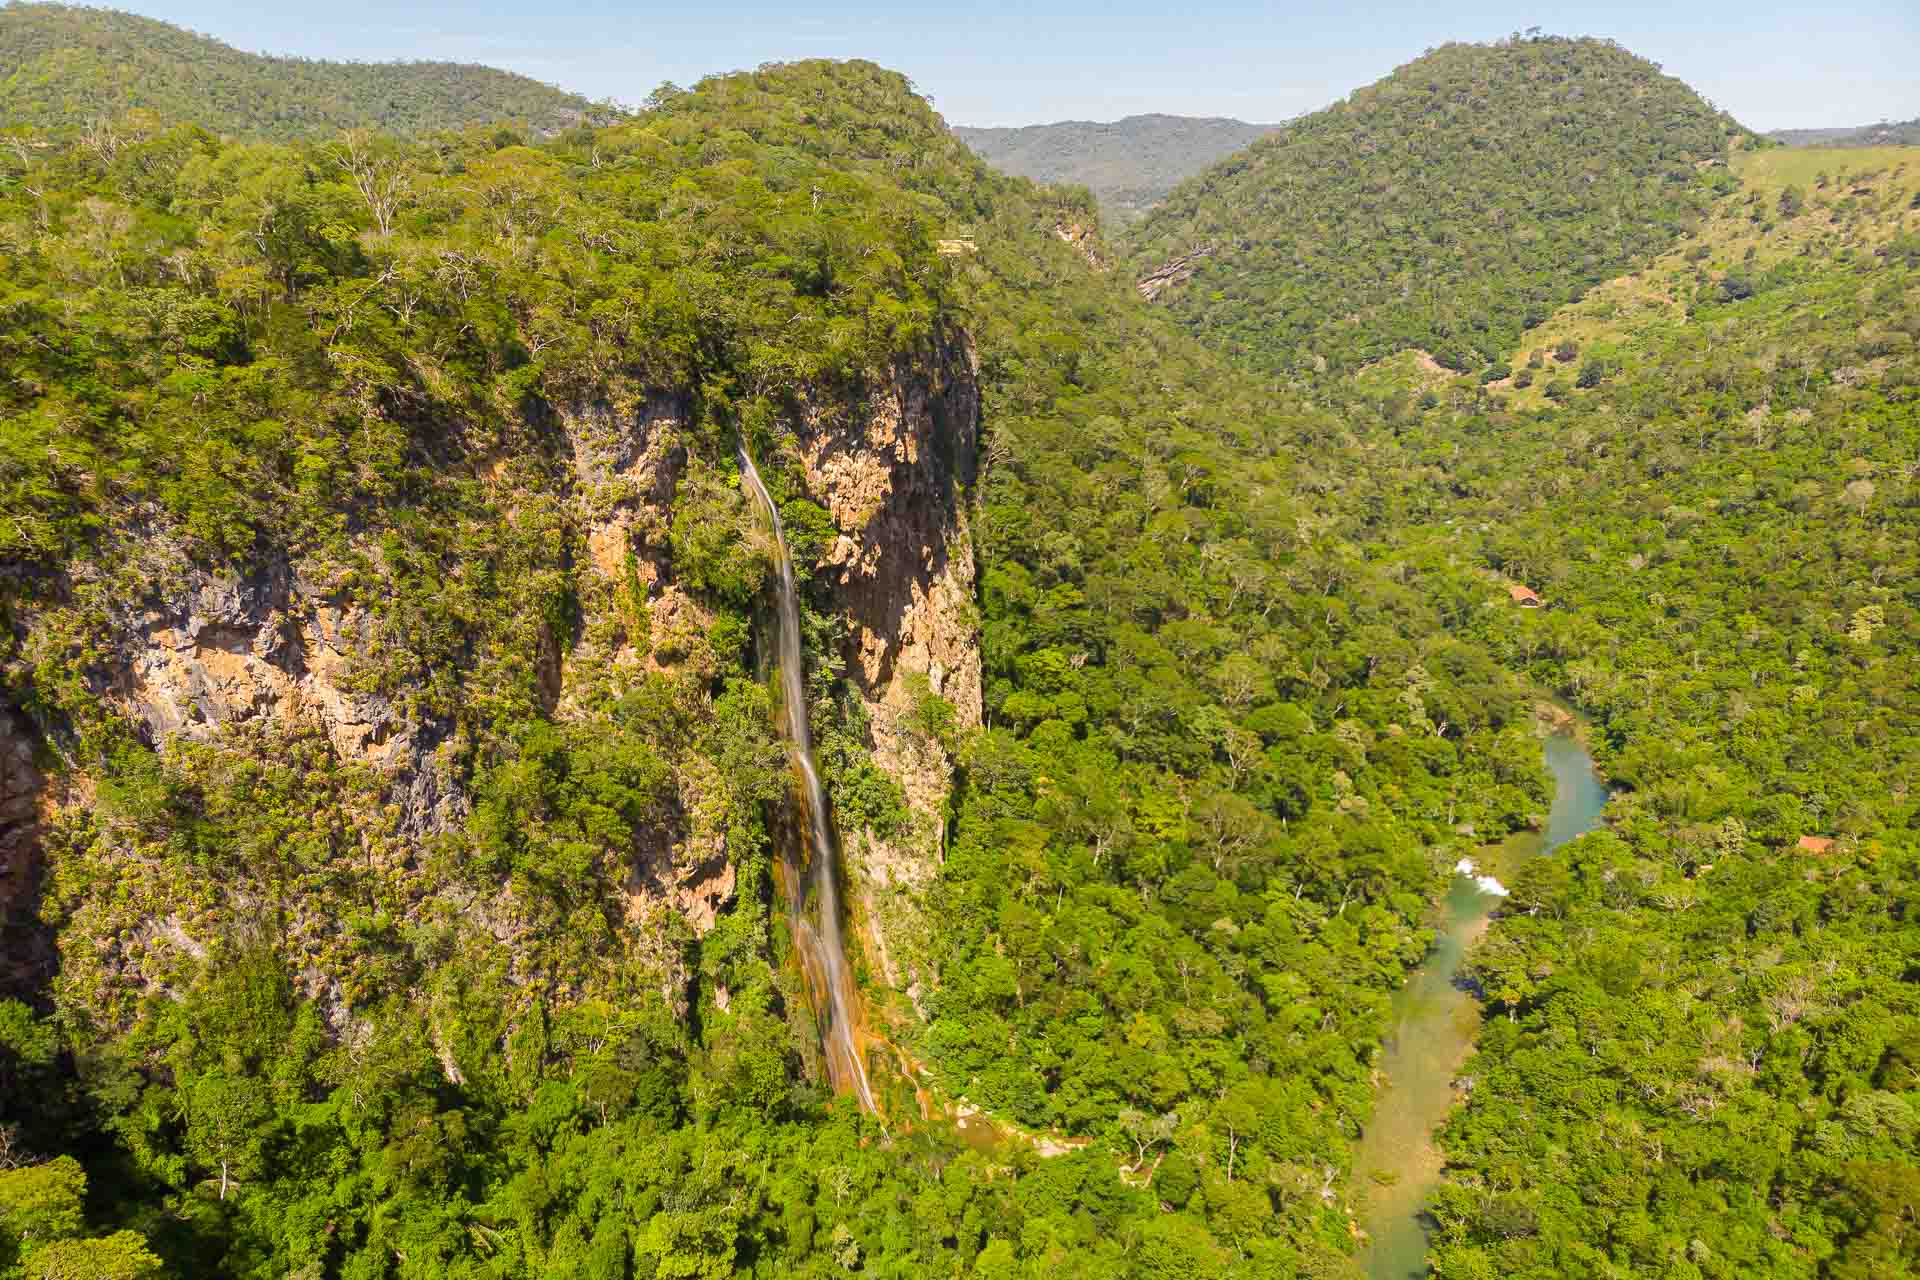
(1434, 1022)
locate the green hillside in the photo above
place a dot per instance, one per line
(397, 829)
(1129, 164)
(1702, 1035)
(1446, 207)
(62, 66)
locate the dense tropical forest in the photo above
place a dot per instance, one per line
(63, 65)
(394, 805)
(1185, 874)
(1703, 1020)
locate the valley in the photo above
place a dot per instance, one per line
(711, 690)
(1128, 165)
(1435, 1020)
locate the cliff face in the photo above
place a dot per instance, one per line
(207, 651)
(902, 569)
(284, 668)
(22, 943)
(627, 463)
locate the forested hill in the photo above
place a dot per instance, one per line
(1128, 164)
(65, 65)
(1446, 207)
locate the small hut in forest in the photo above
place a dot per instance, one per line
(1816, 844)
(1524, 597)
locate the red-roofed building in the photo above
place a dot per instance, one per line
(1524, 597)
(1816, 844)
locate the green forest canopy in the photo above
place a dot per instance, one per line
(1250, 680)
(65, 66)
(1701, 1037)
(757, 234)
(1446, 207)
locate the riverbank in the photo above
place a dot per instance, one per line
(1435, 1020)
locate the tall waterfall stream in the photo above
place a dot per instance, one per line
(812, 886)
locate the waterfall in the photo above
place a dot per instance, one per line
(821, 942)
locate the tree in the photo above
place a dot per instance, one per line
(40, 1224)
(377, 170)
(1146, 1132)
(121, 1256)
(226, 1127)
(1884, 1203)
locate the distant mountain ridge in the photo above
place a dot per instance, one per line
(63, 65)
(1128, 164)
(1901, 133)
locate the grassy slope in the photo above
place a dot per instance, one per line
(1746, 233)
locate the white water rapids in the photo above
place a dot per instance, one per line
(1486, 884)
(820, 941)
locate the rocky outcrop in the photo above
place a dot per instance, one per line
(1175, 272)
(305, 657)
(902, 567)
(902, 571)
(628, 459)
(1084, 240)
(215, 651)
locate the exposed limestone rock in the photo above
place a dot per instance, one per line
(214, 651)
(903, 570)
(903, 564)
(692, 873)
(627, 461)
(1085, 241)
(1168, 274)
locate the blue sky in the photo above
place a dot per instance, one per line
(1772, 64)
